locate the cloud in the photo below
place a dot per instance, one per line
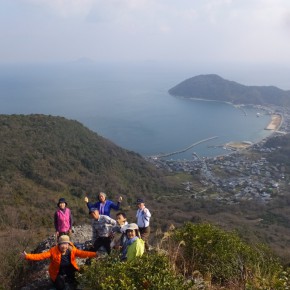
(65, 8)
(243, 30)
(83, 8)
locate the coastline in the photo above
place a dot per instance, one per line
(274, 125)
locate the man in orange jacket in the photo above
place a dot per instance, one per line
(62, 257)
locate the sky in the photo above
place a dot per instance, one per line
(189, 31)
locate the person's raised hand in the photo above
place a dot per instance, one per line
(23, 255)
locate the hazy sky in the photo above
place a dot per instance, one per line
(255, 31)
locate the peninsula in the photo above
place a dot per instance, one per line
(214, 87)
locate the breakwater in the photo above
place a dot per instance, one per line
(185, 149)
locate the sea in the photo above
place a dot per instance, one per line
(130, 105)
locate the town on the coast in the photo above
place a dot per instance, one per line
(235, 176)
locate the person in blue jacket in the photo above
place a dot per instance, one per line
(104, 206)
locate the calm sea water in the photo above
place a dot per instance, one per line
(128, 105)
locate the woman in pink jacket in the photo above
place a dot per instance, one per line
(63, 219)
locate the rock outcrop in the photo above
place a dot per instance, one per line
(38, 277)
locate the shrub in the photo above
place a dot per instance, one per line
(147, 272)
(224, 258)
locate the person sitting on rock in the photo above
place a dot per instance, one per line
(63, 220)
(63, 263)
(103, 205)
(101, 230)
(134, 246)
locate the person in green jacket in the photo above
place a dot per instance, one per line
(135, 245)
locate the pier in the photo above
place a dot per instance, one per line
(183, 150)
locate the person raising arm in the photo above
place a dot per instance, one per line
(63, 263)
(104, 206)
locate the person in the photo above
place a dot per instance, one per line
(63, 220)
(103, 205)
(143, 221)
(101, 230)
(134, 246)
(119, 231)
(63, 263)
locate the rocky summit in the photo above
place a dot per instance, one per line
(39, 277)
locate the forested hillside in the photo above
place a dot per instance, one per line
(213, 87)
(42, 157)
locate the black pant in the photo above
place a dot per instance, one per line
(103, 241)
(66, 274)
